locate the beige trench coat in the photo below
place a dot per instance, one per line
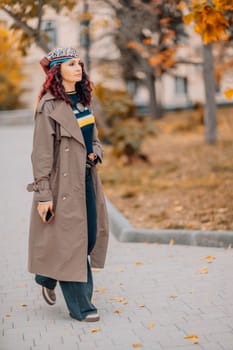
(59, 250)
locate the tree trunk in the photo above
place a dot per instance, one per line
(210, 114)
(85, 36)
(154, 106)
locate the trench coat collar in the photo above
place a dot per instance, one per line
(63, 114)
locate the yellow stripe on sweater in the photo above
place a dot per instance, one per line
(86, 120)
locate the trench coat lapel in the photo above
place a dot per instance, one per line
(64, 115)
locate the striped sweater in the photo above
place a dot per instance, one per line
(85, 120)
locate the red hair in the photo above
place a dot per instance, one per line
(53, 83)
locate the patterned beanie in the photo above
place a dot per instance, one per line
(58, 55)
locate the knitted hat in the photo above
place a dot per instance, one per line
(58, 55)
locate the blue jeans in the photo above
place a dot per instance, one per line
(78, 294)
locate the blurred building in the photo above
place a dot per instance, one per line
(181, 89)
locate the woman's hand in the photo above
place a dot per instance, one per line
(92, 156)
(43, 207)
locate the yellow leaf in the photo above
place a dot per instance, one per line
(138, 263)
(171, 242)
(100, 290)
(120, 270)
(23, 305)
(228, 93)
(118, 299)
(193, 337)
(7, 315)
(173, 296)
(181, 5)
(190, 336)
(125, 302)
(209, 258)
(137, 345)
(117, 312)
(203, 270)
(188, 18)
(95, 330)
(151, 325)
(141, 305)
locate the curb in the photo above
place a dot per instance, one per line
(125, 232)
(16, 117)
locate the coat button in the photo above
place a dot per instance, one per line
(67, 149)
(64, 198)
(65, 174)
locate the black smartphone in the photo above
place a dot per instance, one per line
(49, 216)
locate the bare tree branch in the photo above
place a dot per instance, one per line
(40, 12)
(194, 63)
(31, 32)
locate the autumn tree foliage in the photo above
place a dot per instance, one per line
(24, 12)
(10, 70)
(213, 21)
(147, 34)
(211, 18)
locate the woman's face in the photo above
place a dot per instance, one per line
(71, 71)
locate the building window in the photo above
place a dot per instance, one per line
(217, 87)
(181, 86)
(49, 27)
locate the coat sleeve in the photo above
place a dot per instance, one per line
(97, 148)
(42, 156)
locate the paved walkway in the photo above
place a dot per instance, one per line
(149, 296)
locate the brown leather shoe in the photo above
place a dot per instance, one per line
(49, 296)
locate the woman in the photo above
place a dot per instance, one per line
(68, 226)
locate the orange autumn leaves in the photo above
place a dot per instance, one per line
(209, 18)
(158, 59)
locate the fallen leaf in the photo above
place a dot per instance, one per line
(100, 290)
(173, 296)
(120, 270)
(138, 263)
(171, 242)
(141, 305)
(95, 330)
(117, 312)
(193, 337)
(137, 345)
(125, 302)
(7, 315)
(23, 305)
(151, 325)
(118, 299)
(203, 270)
(209, 258)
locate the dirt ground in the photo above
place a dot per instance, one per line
(187, 184)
